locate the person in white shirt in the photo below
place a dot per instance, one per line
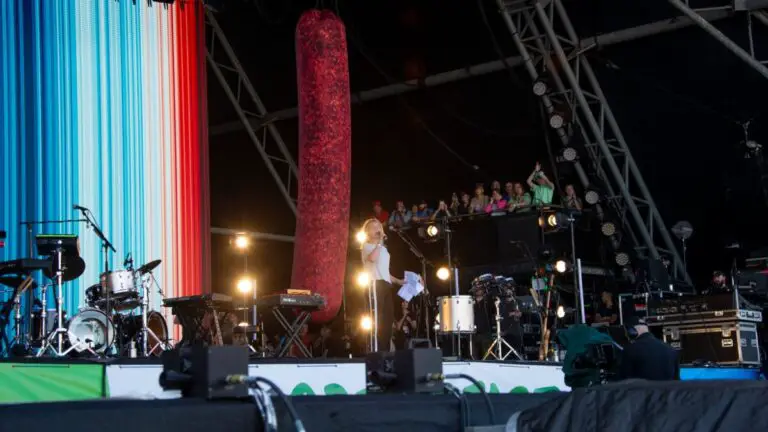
(376, 263)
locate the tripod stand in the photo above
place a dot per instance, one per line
(499, 344)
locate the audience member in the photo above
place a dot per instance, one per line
(509, 191)
(497, 203)
(479, 201)
(442, 212)
(463, 207)
(379, 213)
(542, 188)
(400, 217)
(423, 212)
(570, 200)
(495, 186)
(520, 199)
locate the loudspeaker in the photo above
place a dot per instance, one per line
(417, 370)
(200, 371)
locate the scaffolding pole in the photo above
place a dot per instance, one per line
(604, 141)
(617, 37)
(218, 42)
(722, 38)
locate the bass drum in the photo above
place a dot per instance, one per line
(91, 328)
(130, 329)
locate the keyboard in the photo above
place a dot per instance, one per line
(23, 265)
(202, 301)
(301, 301)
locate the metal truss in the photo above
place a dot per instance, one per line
(550, 47)
(221, 57)
(749, 7)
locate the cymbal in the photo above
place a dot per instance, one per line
(74, 267)
(148, 267)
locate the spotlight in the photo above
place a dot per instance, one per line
(622, 258)
(540, 87)
(245, 284)
(592, 197)
(443, 273)
(556, 220)
(433, 231)
(556, 120)
(363, 279)
(608, 229)
(560, 311)
(241, 241)
(361, 237)
(569, 154)
(243, 324)
(561, 266)
(366, 323)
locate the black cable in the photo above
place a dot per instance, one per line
(288, 404)
(463, 405)
(481, 388)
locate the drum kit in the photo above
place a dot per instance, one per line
(118, 318)
(456, 314)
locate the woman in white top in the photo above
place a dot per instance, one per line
(376, 262)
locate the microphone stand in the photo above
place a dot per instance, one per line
(424, 262)
(106, 245)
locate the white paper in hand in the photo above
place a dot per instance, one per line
(412, 286)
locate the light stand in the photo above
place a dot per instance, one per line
(579, 299)
(500, 343)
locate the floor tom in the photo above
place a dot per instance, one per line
(457, 314)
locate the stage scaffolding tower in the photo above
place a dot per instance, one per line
(551, 49)
(224, 63)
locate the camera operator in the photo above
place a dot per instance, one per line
(647, 357)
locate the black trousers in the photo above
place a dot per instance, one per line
(385, 313)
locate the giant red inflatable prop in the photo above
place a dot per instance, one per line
(325, 136)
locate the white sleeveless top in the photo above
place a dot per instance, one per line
(378, 269)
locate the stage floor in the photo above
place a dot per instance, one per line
(40, 380)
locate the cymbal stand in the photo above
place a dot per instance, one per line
(58, 334)
(146, 332)
(167, 344)
(500, 343)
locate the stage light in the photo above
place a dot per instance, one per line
(243, 324)
(592, 197)
(557, 220)
(561, 266)
(622, 258)
(245, 284)
(361, 237)
(540, 87)
(433, 231)
(366, 323)
(570, 154)
(363, 279)
(443, 273)
(556, 120)
(608, 229)
(241, 241)
(560, 312)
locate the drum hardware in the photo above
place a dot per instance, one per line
(500, 343)
(54, 342)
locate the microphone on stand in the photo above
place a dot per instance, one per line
(79, 207)
(128, 262)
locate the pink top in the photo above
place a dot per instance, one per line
(501, 205)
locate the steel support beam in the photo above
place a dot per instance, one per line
(217, 43)
(747, 57)
(617, 37)
(577, 86)
(253, 235)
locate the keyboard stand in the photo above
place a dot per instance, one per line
(293, 330)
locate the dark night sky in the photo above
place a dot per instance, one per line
(678, 97)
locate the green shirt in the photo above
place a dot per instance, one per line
(542, 194)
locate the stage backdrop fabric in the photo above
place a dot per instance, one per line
(103, 105)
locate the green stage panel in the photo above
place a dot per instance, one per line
(30, 382)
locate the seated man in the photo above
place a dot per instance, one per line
(541, 187)
(647, 357)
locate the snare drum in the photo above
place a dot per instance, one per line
(457, 314)
(119, 284)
